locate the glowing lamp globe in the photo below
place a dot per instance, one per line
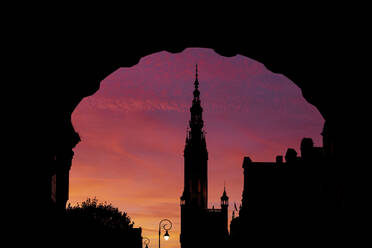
(166, 235)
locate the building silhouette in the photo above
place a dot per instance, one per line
(58, 181)
(200, 226)
(282, 201)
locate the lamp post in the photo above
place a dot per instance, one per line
(146, 241)
(166, 226)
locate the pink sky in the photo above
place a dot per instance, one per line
(133, 132)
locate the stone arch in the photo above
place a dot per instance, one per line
(90, 72)
(73, 64)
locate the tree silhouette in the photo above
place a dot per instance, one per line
(93, 221)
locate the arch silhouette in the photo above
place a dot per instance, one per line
(78, 70)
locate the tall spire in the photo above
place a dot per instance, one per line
(196, 77)
(196, 122)
(196, 83)
(196, 155)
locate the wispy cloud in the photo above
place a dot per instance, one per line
(130, 104)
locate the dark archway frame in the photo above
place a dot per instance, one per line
(78, 69)
(90, 68)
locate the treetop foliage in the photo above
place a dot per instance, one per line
(99, 214)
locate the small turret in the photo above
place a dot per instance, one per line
(224, 208)
(224, 198)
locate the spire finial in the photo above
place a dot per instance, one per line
(224, 196)
(196, 72)
(196, 77)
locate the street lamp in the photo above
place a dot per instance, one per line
(146, 241)
(166, 235)
(166, 226)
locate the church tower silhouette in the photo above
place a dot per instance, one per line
(200, 226)
(196, 156)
